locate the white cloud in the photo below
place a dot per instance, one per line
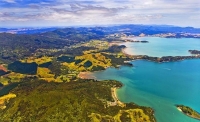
(106, 11)
(9, 1)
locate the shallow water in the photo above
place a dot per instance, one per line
(160, 86)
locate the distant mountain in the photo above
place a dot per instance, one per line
(26, 30)
(102, 30)
(25, 41)
(153, 29)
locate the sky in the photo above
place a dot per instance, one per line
(45, 13)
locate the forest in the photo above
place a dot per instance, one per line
(83, 100)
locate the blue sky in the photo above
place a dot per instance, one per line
(98, 12)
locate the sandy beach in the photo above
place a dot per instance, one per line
(86, 75)
(124, 50)
(179, 109)
(3, 68)
(116, 100)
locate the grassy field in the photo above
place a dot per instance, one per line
(41, 60)
(5, 99)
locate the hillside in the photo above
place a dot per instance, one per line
(83, 100)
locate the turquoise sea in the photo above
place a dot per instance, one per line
(160, 85)
(159, 47)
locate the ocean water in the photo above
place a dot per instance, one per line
(160, 86)
(158, 47)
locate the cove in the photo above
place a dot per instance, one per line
(160, 86)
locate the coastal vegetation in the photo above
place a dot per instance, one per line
(189, 111)
(83, 100)
(194, 52)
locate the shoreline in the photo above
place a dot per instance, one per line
(116, 100)
(123, 50)
(88, 75)
(161, 59)
(126, 53)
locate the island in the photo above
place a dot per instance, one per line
(195, 52)
(188, 111)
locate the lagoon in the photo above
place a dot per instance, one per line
(160, 86)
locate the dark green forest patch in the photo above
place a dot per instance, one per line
(24, 68)
(87, 64)
(45, 65)
(78, 61)
(97, 68)
(2, 72)
(68, 59)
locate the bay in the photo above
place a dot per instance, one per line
(160, 86)
(158, 47)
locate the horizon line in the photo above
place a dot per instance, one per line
(102, 25)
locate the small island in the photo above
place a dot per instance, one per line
(188, 111)
(194, 52)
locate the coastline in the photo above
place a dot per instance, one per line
(159, 59)
(194, 54)
(89, 75)
(123, 50)
(116, 100)
(126, 53)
